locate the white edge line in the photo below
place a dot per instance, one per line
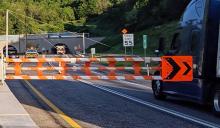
(140, 85)
(14, 115)
(123, 81)
(163, 109)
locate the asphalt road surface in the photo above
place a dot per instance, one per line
(108, 104)
(90, 106)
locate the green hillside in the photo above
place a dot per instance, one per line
(154, 33)
(99, 17)
(156, 18)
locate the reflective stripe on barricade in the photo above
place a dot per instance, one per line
(86, 67)
(124, 59)
(60, 77)
(83, 68)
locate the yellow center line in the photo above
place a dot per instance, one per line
(68, 119)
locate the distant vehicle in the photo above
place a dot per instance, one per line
(61, 49)
(198, 35)
(12, 52)
(31, 53)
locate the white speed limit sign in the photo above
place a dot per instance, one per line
(128, 40)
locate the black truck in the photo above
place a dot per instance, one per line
(198, 35)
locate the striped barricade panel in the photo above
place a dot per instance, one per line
(61, 77)
(123, 59)
(20, 68)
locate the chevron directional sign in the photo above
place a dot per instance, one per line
(177, 68)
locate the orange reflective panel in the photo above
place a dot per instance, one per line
(177, 68)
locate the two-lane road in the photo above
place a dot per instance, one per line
(105, 103)
(91, 106)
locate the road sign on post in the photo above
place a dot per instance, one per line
(145, 47)
(128, 40)
(145, 41)
(124, 31)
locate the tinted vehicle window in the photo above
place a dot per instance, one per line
(175, 45)
(194, 43)
(175, 42)
(199, 7)
(194, 12)
(31, 51)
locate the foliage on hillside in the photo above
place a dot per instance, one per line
(154, 33)
(137, 15)
(70, 14)
(49, 13)
(137, 18)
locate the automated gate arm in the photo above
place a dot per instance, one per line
(70, 68)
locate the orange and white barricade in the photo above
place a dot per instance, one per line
(20, 68)
(171, 68)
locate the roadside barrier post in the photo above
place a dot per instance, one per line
(112, 71)
(39, 71)
(63, 71)
(137, 68)
(87, 68)
(18, 68)
(148, 71)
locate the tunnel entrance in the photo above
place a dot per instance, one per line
(54, 50)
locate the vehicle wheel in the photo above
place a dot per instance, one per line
(157, 89)
(216, 103)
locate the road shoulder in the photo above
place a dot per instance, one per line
(12, 113)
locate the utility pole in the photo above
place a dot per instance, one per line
(6, 50)
(26, 9)
(84, 46)
(19, 43)
(2, 67)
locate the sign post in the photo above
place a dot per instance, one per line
(84, 45)
(128, 40)
(6, 33)
(145, 48)
(93, 52)
(145, 41)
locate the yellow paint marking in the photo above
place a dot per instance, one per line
(68, 119)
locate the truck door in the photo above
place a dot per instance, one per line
(189, 42)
